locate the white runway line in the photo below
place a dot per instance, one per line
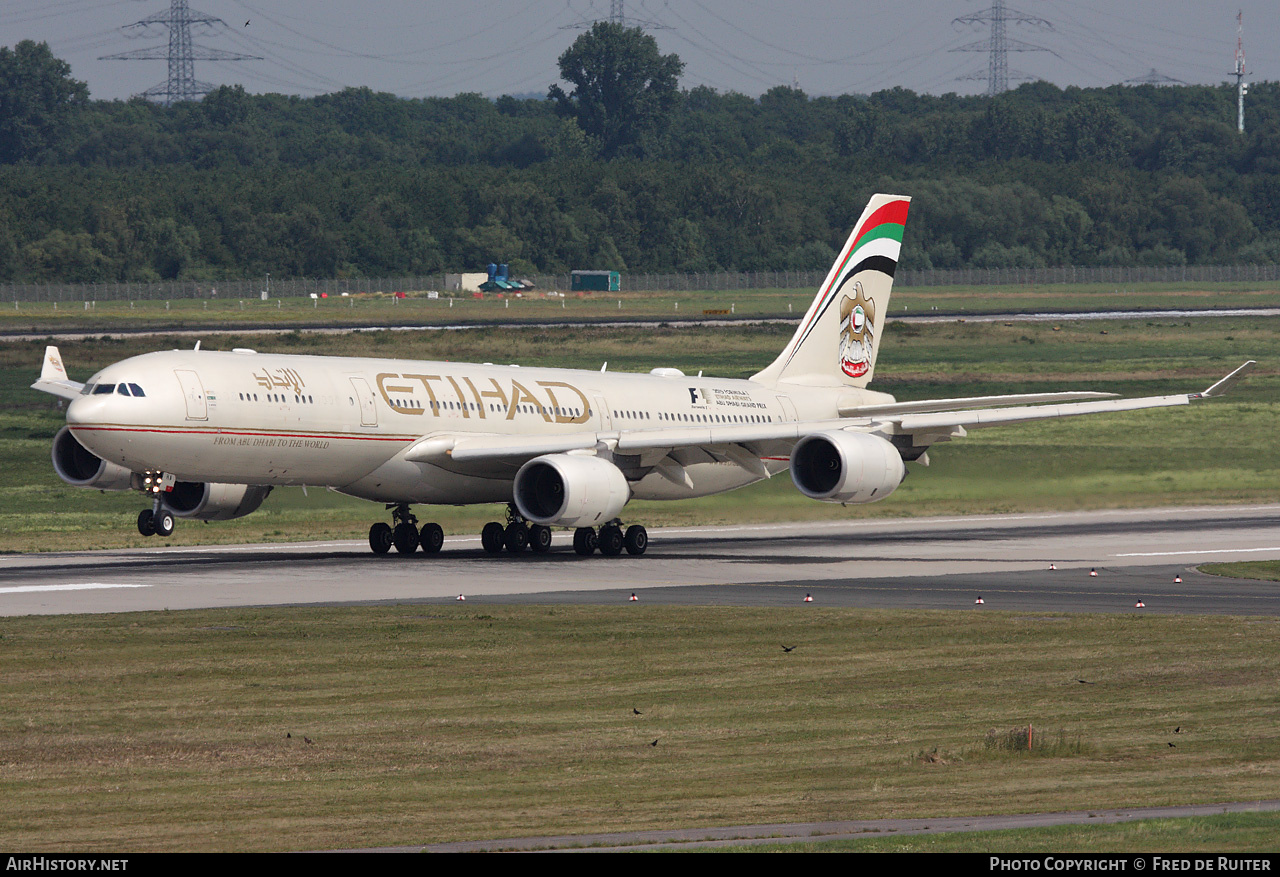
(1201, 552)
(77, 586)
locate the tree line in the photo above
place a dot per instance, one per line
(617, 167)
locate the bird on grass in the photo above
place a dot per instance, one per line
(636, 712)
(788, 648)
(655, 742)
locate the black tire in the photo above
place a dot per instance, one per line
(163, 522)
(405, 538)
(516, 538)
(491, 537)
(636, 540)
(584, 541)
(146, 524)
(431, 538)
(611, 540)
(380, 537)
(539, 539)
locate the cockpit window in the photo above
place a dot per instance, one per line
(103, 389)
(87, 389)
(122, 389)
(137, 391)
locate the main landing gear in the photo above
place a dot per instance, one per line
(514, 537)
(405, 535)
(517, 535)
(611, 539)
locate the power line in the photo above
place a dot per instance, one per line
(181, 53)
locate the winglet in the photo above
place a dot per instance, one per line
(1222, 387)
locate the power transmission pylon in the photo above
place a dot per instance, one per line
(999, 44)
(1155, 77)
(181, 53)
(618, 15)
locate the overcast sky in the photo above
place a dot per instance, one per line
(417, 48)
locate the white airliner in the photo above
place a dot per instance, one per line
(207, 434)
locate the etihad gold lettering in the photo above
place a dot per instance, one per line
(426, 385)
(495, 393)
(565, 414)
(278, 379)
(462, 403)
(386, 389)
(556, 405)
(519, 392)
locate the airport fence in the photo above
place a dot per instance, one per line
(721, 280)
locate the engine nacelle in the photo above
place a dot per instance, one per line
(841, 466)
(570, 491)
(77, 465)
(213, 502)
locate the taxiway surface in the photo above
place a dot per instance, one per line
(917, 563)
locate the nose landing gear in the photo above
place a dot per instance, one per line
(157, 520)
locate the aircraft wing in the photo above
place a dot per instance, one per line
(920, 423)
(53, 377)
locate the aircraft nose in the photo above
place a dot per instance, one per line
(86, 409)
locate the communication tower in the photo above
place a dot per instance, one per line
(1242, 87)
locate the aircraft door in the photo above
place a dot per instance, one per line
(788, 409)
(602, 411)
(193, 393)
(364, 398)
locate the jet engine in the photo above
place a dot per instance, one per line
(213, 502)
(77, 465)
(570, 491)
(841, 466)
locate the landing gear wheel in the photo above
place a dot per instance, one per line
(163, 522)
(584, 541)
(431, 538)
(539, 539)
(611, 540)
(380, 538)
(146, 523)
(491, 537)
(636, 540)
(516, 537)
(405, 537)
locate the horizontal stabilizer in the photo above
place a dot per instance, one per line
(53, 377)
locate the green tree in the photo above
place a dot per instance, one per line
(37, 95)
(623, 88)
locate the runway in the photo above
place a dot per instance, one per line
(916, 563)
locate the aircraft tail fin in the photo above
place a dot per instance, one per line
(838, 340)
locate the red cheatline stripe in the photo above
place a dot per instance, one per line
(300, 435)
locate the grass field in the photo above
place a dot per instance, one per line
(378, 309)
(324, 728)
